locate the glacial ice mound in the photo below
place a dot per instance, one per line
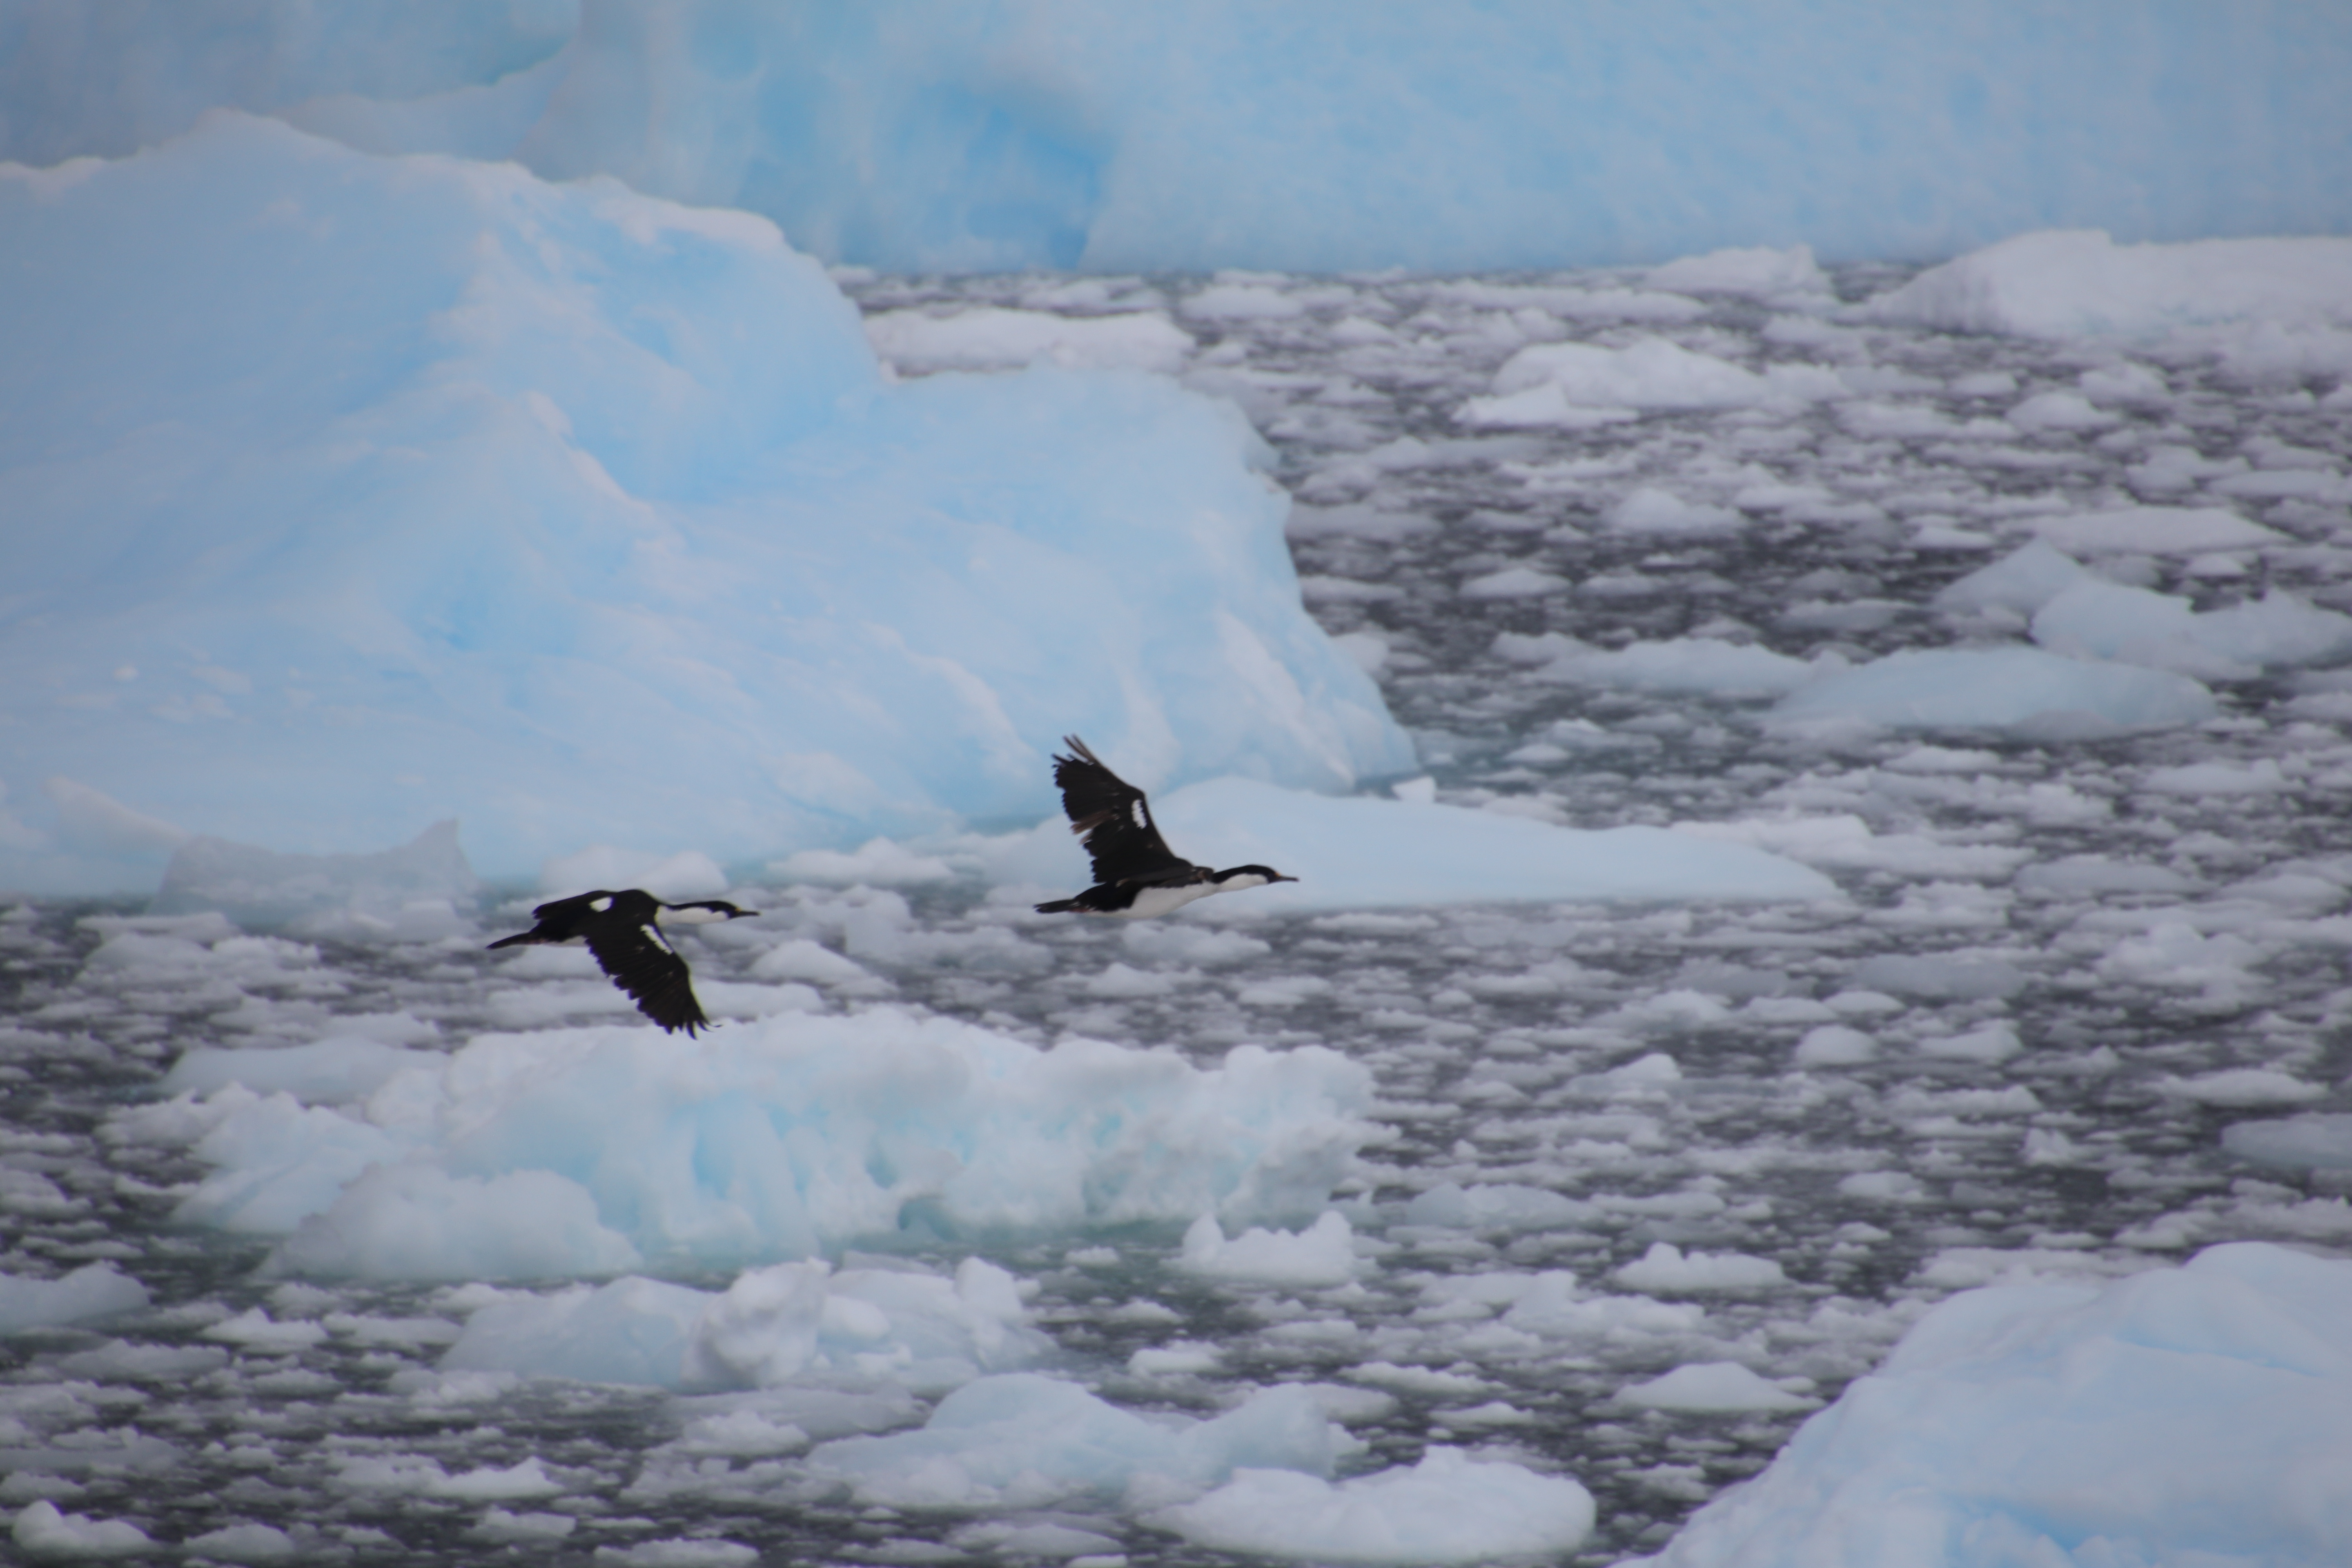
(2191, 1414)
(363, 491)
(602, 1151)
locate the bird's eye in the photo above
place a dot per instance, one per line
(601, 905)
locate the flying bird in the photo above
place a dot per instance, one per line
(1136, 876)
(623, 930)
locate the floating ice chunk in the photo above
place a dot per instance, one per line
(1712, 1386)
(2126, 382)
(1022, 1440)
(1282, 991)
(681, 1551)
(1994, 1042)
(1682, 1008)
(2182, 1414)
(1175, 941)
(1651, 373)
(1833, 1045)
(585, 1150)
(393, 894)
(1653, 511)
(1514, 583)
(2175, 955)
(1943, 760)
(2305, 484)
(423, 1477)
(411, 1221)
(1434, 853)
(1883, 1186)
(1666, 1269)
(2059, 411)
(41, 1530)
(2023, 580)
(248, 1543)
(772, 1326)
(992, 337)
(1323, 1253)
(1545, 405)
(1844, 839)
(2261, 776)
(2072, 282)
(1767, 274)
(92, 1291)
(2023, 691)
(2155, 530)
(1449, 1508)
(1678, 664)
(255, 1330)
(2080, 874)
(1860, 1003)
(2242, 1086)
(797, 958)
(2296, 1142)
(1179, 1358)
(1940, 976)
(1417, 1379)
(120, 1360)
(1499, 1206)
(500, 1527)
(2107, 620)
(2276, 629)
(1120, 982)
(1045, 1542)
(1242, 301)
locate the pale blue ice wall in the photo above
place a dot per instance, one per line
(340, 494)
(1307, 134)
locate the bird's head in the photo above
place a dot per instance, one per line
(1248, 877)
(702, 912)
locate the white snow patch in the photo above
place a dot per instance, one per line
(1449, 1508)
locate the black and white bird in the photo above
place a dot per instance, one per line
(623, 930)
(1136, 876)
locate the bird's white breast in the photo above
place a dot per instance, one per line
(1154, 902)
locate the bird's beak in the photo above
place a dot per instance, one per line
(1280, 877)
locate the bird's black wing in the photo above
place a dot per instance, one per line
(559, 919)
(643, 964)
(1114, 820)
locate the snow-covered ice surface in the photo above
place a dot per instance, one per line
(1578, 1203)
